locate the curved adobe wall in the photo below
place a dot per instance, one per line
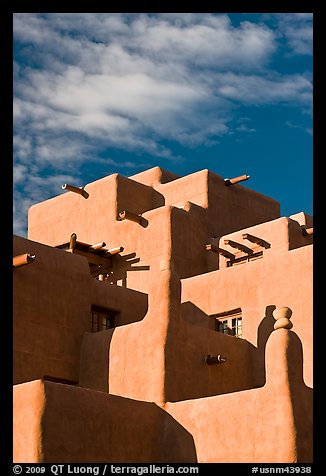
(272, 424)
(85, 426)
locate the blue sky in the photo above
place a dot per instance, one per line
(100, 93)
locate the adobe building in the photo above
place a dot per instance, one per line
(160, 318)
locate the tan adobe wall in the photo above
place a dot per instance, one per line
(52, 221)
(219, 208)
(82, 426)
(154, 176)
(228, 208)
(163, 357)
(59, 421)
(168, 289)
(272, 424)
(52, 310)
(280, 235)
(257, 288)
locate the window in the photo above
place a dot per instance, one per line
(236, 328)
(229, 322)
(222, 326)
(102, 319)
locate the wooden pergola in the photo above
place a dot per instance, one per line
(100, 259)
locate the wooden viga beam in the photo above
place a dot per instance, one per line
(307, 231)
(98, 246)
(79, 190)
(239, 246)
(216, 359)
(21, 260)
(235, 180)
(221, 251)
(72, 242)
(255, 239)
(114, 251)
(126, 215)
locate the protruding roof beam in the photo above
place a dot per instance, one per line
(21, 260)
(72, 242)
(115, 251)
(217, 359)
(235, 180)
(126, 215)
(211, 247)
(255, 239)
(79, 190)
(239, 246)
(98, 246)
(307, 231)
(221, 251)
(76, 246)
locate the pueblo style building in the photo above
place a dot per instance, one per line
(160, 318)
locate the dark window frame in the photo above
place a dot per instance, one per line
(102, 318)
(229, 322)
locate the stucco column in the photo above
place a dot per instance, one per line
(279, 425)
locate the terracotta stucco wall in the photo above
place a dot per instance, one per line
(95, 220)
(80, 425)
(51, 312)
(155, 176)
(272, 424)
(156, 352)
(219, 209)
(257, 287)
(52, 304)
(279, 235)
(163, 357)
(90, 218)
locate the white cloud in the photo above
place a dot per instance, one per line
(85, 82)
(209, 41)
(19, 173)
(132, 80)
(297, 29)
(32, 188)
(274, 88)
(127, 164)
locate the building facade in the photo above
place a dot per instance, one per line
(160, 318)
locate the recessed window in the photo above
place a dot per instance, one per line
(102, 319)
(229, 322)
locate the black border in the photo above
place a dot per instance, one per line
(6, 202)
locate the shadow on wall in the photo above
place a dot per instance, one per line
(285, 402)
(86, 426)
(122, 265)
(94, 366)
(265, 328)
(193, 315)
(95, 348)
(302, 401)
